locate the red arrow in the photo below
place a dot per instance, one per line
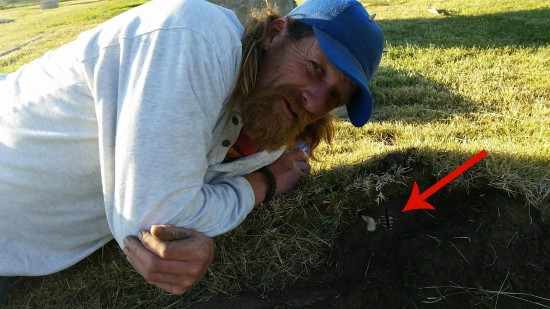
(417, 200)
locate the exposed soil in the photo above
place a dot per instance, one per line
(480, 249)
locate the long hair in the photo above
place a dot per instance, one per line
(255, 33)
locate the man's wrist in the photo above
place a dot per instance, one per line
(272, 183)
(260, 186)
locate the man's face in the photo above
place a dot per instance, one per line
(297, 85)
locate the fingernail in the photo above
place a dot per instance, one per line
(126, 241)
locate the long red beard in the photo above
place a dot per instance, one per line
(264, 122)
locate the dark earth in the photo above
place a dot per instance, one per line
(462, 255)
(478, 249)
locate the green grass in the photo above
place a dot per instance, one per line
(459, 84)
(43, 30)
(466, 82)
(449, 87)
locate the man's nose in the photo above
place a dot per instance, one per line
(315, 96)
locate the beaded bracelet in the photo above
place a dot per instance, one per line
(272, 183)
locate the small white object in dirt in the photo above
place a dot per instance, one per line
(5, 21)
(371, 224)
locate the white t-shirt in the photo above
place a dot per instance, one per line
(123, 128)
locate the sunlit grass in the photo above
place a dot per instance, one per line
(43, 30)
(454, 85)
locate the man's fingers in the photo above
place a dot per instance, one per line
(135, 251)
(148, 265)
(171, 249)
(300, 159)
(171, 279)
(151, 267)
(186, 249)
(170, 232)
(172, 289)
(299, 154)
(303, 166)
(173, 265)
(175, 279)
(146, 262)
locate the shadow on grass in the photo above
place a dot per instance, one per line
(520, 28)
(313, 247)
(421, 99)
(402, 96)
(399, 95)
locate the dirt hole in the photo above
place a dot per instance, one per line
(480, 248)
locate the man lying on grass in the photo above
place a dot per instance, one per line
(166, 124)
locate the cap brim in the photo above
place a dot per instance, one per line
(360, 105)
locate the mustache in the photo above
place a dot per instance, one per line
(264, 120)
(295, 102)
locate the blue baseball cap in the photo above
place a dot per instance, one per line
(351, 40)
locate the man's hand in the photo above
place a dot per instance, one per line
(170, 257)
(289, 168)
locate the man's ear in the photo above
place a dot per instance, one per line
(276, 33)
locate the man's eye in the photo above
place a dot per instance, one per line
(316, 69)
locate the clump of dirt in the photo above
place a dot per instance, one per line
(479, 248)
(473, 250)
